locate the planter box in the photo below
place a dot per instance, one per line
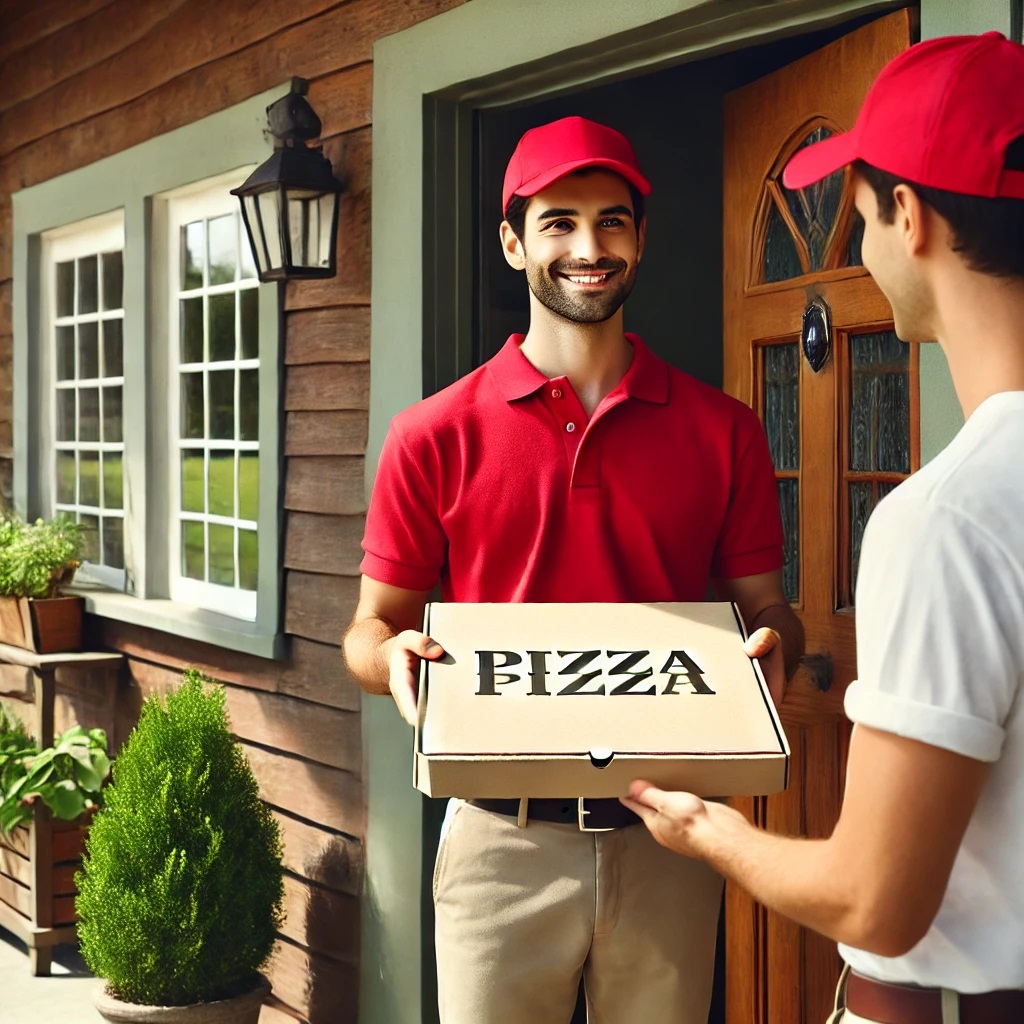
(37, 888)
(43, 625)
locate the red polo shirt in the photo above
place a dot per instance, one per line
(500, 487)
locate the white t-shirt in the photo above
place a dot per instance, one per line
(940, 658)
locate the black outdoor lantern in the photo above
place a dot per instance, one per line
(290, 202)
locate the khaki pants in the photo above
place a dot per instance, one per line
(522, 913)
(840, 1015)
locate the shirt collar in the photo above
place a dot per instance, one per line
(516, 377)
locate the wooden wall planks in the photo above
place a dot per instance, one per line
(82, 81)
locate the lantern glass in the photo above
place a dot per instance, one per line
(269, 213)
(309, 227)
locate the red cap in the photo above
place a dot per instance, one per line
(941, 114)
(553, 150)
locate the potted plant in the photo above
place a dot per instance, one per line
(36, 561)
(55, 789)
(181, 889)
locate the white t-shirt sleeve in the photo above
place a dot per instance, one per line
(936, 643)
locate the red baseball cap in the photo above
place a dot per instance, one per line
(553, 150)
(941, 114)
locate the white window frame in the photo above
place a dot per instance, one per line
(97, 234)
(138, 185)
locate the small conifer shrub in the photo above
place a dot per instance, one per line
(181, 891)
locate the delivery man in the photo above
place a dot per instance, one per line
(922, 881)
(573, 466)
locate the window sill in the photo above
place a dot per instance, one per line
(181, 620)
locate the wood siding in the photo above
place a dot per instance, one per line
(82, 81)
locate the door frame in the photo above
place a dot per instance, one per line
(428, 81)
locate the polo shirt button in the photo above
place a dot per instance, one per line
(556, 392)
(570, 427)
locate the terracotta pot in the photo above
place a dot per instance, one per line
(44, 625)
(243, 1009)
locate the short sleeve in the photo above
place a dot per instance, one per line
(404, 543)
(936, 656)
(750, 541)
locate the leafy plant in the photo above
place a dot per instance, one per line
(181, 889)
(67, 777)
(36, 559)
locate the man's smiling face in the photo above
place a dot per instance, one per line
(581, 247)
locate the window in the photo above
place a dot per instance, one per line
(146, 371)
(214, 317)
(83, 274)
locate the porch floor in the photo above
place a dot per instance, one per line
(63, 998)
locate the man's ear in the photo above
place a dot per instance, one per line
(912, 219)
(641, 234)
(511, 247)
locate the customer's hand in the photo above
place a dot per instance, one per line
(407, 649)
(765, 644)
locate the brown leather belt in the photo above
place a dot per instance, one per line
(905, 1004)
(587, 815)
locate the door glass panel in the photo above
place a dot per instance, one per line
(781, 260)
(780, 388)
(878, 454)
(816, 207)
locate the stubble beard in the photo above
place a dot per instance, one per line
(581, 307)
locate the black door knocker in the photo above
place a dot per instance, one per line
(816, 333)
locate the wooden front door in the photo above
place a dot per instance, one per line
(842, 431)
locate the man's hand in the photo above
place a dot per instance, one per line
(765, 644)
(679, 821)
(406, 651)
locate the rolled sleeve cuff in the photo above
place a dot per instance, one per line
(395, 574)
(747, 563)
(939, 727)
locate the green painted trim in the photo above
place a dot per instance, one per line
(424, 81)
(129, 181)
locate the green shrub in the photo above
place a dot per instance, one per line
(36, 559)
(180, 892)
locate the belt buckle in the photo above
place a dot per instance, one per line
(581, 813)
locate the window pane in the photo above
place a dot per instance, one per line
(781, 260)
(326, 240)
(192, 405)
(89, 479)
(192, 330)
(222, 327)
(222, 555)
(861, 504)
(91, 538)
(250, 317)
(113, 348)
(223, 234)
(879, 403)
(66, 478)
(113, 481)
(66, 288)
(782, 404)
(112, 429)
(66, 414)
(248, 264)
(789, 506)
(113, 542)
(88, 351)
(192, 481)
(222, 482)
(193, 238)
(88, 290)
(88, 414)
(193, 551)
(248, 485)
(222, 404)
(65, 353)
(816, 208)
(113, 280)
(249, 405)
(248, 560)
